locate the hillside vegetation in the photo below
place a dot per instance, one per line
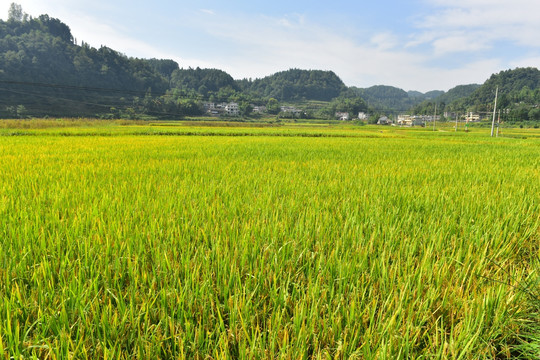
(519, 94)
(518, 97)
(45, 72)
(386, 98)
(296, 84)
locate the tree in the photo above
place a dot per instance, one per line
(296, 84)
(245, 108)
(15, 13)
(534, 114)
(273, 106)
(12, 111)
(21, 111)
(18, 111)
(374, 118)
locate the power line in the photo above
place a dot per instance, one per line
(89, 88)
(107, 106)
(54, 98)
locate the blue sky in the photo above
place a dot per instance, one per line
(415, 45)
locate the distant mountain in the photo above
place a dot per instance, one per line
(378, 92)
(296, 85)
(389, 99)
(164, 67)
(518, 95)
(512, 84)
(443, 99)
(415, 94)
(202, 80)
(382, 97)
(456, 93)
(43, 50)
(433, 94)
(43, 69)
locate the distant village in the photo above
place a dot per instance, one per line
(422, 120)
(232, 109)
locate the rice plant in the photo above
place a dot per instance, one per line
(142, 242)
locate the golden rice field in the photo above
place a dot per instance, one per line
(183, 242)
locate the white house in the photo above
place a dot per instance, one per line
(259, 109)
(342, 115)
(292, 110)
(232, 109)
(472, 117)
(383, 120)
(405, 120)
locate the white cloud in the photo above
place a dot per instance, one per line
(526, 61)
(459, 42)
(264, 45)
(384, 41)
(208, 11)
(482, 23)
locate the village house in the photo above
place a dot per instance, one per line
(362, 115)
(410, 120)
(405, 120)
(344, 116)
(416, 120)
(259, 109)
(470, 117)
(383, 120)
(213, 108)
(229, 109)
(232, 109)
(291, 110)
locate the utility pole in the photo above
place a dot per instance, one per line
(456, 121)
(494, 111)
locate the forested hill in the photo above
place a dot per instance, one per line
(389, 99)
(296, 84)
(452, 100)
(518, 96)
(457, 93)
(42, 50)
(518, 85)
(43, 68)
(386, 97)
(44, 72)
(204, 81)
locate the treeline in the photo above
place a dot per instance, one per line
(452, 100)
(518, 97)
(386, 99)
(296, 85)
(45, 72)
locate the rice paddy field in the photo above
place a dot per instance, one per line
(171, 241)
